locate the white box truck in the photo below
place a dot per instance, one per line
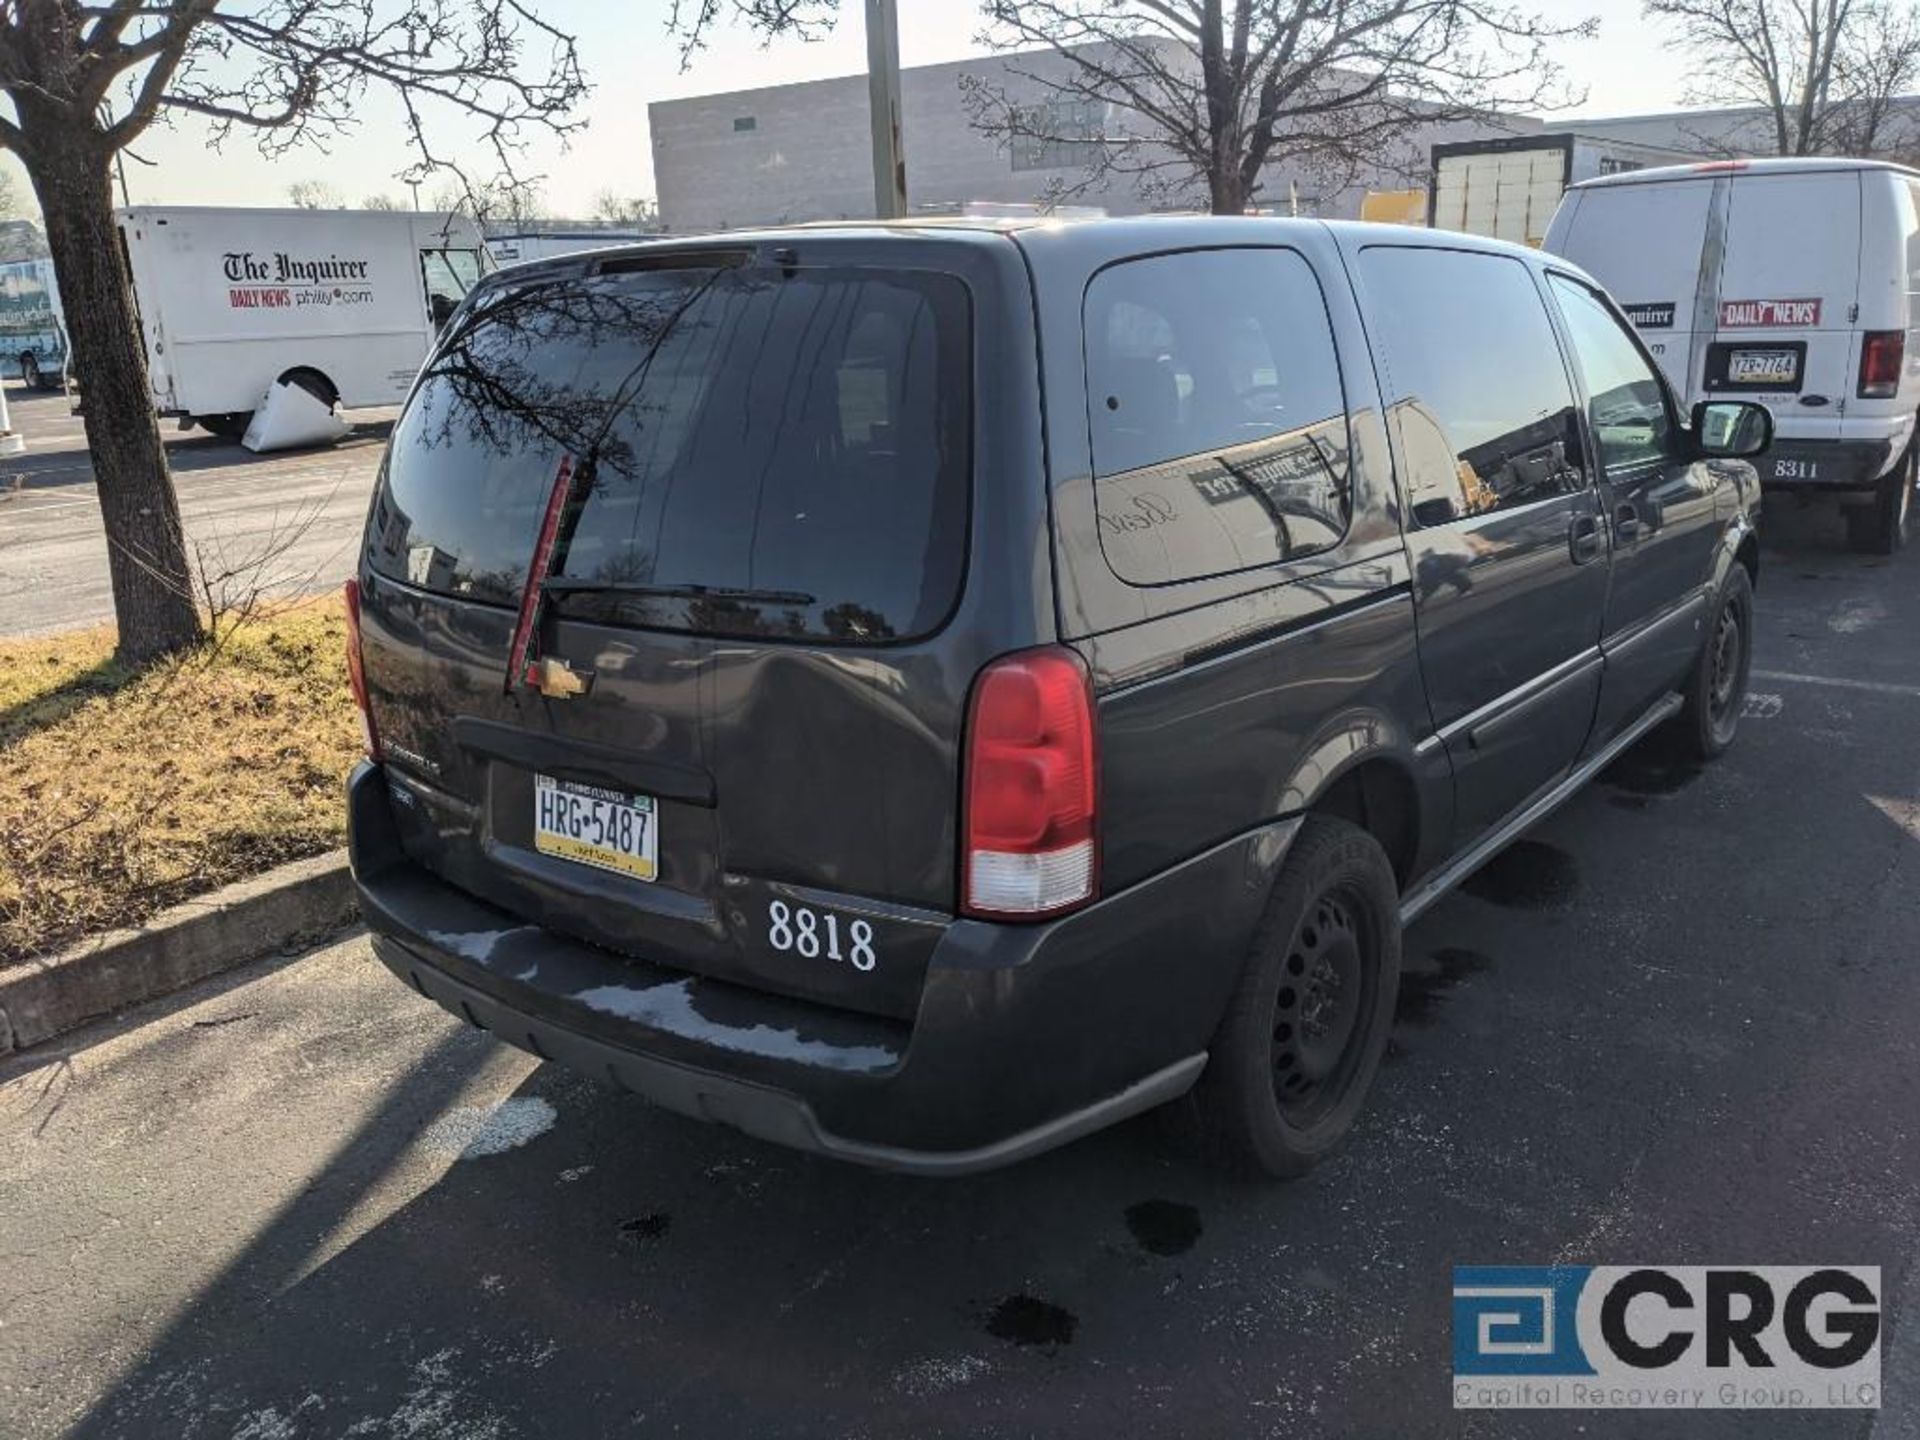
(33, 328)
(343, 303)
(1508, 189)
(1793, 282)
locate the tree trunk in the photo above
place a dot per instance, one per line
(1226, 195)
(153, 595)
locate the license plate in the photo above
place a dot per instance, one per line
(1763, 367)
(1796, 469)
(591, 826)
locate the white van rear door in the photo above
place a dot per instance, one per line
(1788, 286)
(1643, 242)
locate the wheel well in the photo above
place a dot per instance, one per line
(1378, 796)
(1749, 555)
(316, 383)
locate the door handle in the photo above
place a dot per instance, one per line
(1583, 538)
(1626, 524)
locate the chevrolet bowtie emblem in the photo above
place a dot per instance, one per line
(557, 680)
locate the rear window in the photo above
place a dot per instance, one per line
(760, 452)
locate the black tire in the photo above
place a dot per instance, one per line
(1717, 689)
(1300, 1044)
(228, 425)
(1883, 527)
(30, 370)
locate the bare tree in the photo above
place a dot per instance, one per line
(1202, 96)
(508, 200)
(314, 195)
(381, 202)
(689, 21)
(614, 208)
(86, 78)
(1825, 73)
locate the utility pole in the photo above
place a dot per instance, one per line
(883, 106)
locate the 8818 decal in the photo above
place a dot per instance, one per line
(810, 933)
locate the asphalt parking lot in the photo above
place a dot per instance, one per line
(289, 522)
(1678, 1024)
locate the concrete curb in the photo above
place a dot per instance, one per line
(248, 919)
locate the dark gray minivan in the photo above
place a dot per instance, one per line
(921, 693)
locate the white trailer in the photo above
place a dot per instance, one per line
(1509, 189)
(342, 303)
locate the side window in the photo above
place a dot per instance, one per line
(1632, 426)
(447, 275)
(1477, 387)
(1218, 424)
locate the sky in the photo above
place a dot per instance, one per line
(630, 60)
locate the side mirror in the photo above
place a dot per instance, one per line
(1731, 429)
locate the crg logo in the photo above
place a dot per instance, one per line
(1666, 1337)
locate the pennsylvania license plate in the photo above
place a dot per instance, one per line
(1763, 367)
(591, 826)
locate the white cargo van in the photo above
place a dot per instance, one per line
(344, 303)
(1791, 282)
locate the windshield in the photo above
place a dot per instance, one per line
(761, 452)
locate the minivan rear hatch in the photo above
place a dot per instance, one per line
(748, 481)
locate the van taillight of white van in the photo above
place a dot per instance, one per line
(1028, 839)
(1882, 354)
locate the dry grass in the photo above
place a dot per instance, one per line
(122, 794)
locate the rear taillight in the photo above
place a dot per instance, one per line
(1028, 840)
(1883, 353)
(357, 672)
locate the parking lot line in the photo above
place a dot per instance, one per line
(1876, 687)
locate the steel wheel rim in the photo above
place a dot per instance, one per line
(1726, 661)
(1319, 1019)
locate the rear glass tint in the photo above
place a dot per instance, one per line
(1476, 387)
(1219, 430)
(761, 452)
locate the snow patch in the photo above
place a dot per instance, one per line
(432, 1408)
(270, 1424)
(267, 1424)
(471, 1131)
(1857, 615)
(939, 1374)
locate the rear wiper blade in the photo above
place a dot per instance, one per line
(566, 585)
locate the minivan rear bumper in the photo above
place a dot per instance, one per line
(1027, 1036)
